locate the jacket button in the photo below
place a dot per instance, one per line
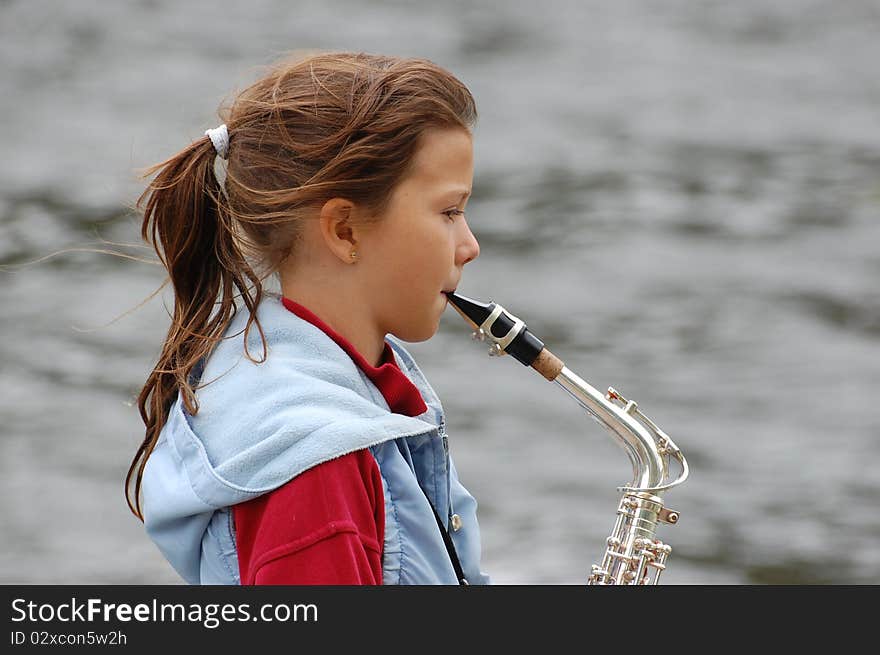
(456, 523)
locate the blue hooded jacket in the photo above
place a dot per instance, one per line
(260, 425)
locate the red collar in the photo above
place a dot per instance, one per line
(399, 392)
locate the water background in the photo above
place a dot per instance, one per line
(681, 199)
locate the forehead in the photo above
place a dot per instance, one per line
(444, 157)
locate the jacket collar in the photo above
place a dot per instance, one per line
(400, 393)
(260, 424)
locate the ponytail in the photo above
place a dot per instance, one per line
(187, 223)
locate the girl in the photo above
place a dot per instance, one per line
(324, 460)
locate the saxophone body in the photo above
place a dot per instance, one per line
(633, 555)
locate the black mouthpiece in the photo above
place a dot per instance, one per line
(472, 310)
(525, 346)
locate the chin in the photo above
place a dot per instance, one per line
(417, 333)
(421, 330)
(417, 337)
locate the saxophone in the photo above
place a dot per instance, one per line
(633, 556)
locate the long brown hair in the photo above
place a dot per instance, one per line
(314, 127)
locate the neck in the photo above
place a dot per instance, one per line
(342, 309)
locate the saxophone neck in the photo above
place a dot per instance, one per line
(646, 445)
(648, 464)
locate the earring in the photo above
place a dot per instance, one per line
(353, 254)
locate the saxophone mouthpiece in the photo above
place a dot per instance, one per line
(508, 334)
(472, 311)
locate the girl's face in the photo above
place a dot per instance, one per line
(420, 246)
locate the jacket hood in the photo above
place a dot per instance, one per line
(259, 425)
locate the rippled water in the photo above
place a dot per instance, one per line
(680, 199)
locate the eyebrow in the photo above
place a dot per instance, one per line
(460, 193)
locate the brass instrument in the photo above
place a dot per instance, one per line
(632, 553)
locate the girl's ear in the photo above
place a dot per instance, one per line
(336, 227)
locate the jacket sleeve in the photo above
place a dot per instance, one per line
(326, 526)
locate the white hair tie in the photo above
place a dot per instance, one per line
(220, 138)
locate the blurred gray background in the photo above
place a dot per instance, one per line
(680, 198)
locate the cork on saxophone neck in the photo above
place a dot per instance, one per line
(548, 364)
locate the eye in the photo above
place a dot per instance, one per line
(454, 212)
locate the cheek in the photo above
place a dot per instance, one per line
(417, 262)
(427, 260)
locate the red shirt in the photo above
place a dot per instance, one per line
(326, 525)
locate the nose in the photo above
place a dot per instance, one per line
(468, 247)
